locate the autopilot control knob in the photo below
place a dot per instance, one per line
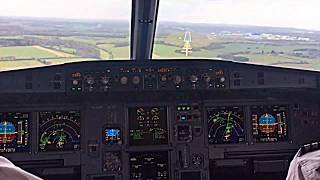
(90, 80)
(194, 78)
(124, 80)
(207, 78)
(136, 80)
(105, 80)
(177, 79)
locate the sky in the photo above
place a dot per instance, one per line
(303, 14)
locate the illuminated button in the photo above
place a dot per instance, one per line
(163, 78)
(106, 88)
(75, 82)
(222, 79)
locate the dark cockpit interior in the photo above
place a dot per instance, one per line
(147, 119)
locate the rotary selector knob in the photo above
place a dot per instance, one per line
(123, 80)
(207, 78)
(194, 78)
(90, 80)
(136, 80)
(177, 79)
(105, 80)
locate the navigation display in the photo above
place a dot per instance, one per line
(14, 132)
(148, 126)
(112, 135)
(225, 125)
(59, 131)
(269, 123)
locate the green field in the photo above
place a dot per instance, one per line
(11, 37)
(118, 52)
(166, 51)
(96, 40)
(25, 52)
(64, 49)
(11, 65)
(68, 60)
(209, 46)
(168, 46)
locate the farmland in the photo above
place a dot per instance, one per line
(84, 40)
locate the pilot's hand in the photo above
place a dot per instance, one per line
(9, 171)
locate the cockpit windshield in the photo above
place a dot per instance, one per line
(282, 33)
(36, 33)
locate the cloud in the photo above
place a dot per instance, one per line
(84, 9)
(283, 13)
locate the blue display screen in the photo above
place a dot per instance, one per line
(112, 136)
(113, 132)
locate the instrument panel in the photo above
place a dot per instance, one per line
(166, 121)
(150, 78)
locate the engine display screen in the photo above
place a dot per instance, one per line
(59, 131)
(225, 125)
(14, 132)
(269, 123)
(112, 135)
(149, 166)
(148, 126)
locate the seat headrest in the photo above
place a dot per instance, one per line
(309, 148)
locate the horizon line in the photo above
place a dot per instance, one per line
(166, 21)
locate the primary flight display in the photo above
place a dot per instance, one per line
(14, 132)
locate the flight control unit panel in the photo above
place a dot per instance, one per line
(167, 120)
